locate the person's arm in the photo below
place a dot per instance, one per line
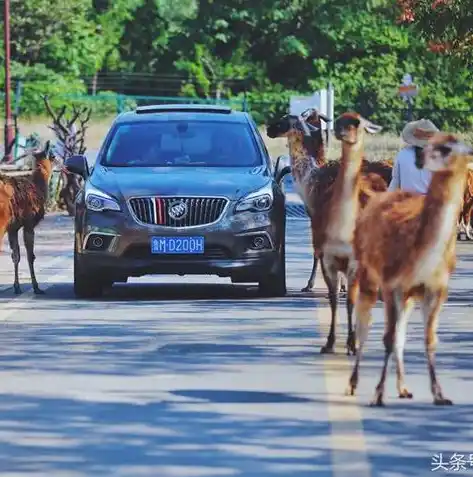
(396, 177)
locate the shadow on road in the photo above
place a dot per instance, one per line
(156, 439)
(133, 292)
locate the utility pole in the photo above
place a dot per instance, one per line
(8, 138)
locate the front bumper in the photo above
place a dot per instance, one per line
(126, 250)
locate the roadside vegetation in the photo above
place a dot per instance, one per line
(270, 49)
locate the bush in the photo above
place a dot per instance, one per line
(265, 106)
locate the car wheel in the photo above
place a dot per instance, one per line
(86, 285)
(274, 284)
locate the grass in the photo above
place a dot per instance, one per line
(97, 129)
(379, 146)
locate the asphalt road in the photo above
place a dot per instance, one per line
(194, 377)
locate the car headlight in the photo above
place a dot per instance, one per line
(99, 201)
(258, 201)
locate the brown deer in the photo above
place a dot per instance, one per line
(312, 173)
(22, 205)
(464, 219)
(334, 234)
(307, 155)
(70, 141)
(405, 245)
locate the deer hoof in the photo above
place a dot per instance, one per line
(327, 349)
(308, 288)
(405, 394)
(351, 350)
(351, 346)
(17, 289)
(442, 402)
(38, 291)
(377, 401)
(350, 390)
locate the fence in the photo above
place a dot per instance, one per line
(393, 119)
(110, 103)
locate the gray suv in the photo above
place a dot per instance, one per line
(180, 189)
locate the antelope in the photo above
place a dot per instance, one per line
(337, 219)
(313, 174)
(22, 205)
(405, 245)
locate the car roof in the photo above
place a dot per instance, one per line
(165, 112)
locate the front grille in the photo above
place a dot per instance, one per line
(178, 211)
(144, 252)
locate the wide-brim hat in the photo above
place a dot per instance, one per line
(418, 133)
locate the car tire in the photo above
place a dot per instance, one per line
(86, 285)
(274, 284)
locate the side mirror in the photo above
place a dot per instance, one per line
(77, 165)
(282, 168)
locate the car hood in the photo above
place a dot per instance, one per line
(232, 182)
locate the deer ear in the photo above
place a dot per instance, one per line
(47, 148)
(462, 148)
(324, 118)
(312, 127)
(371, 127)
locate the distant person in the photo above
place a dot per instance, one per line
(406, 175)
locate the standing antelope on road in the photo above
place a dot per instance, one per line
(337, 231)
(405, 244)
(22, 205)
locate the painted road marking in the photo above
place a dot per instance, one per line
(349, 451)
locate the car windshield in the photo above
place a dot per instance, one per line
(182, 143)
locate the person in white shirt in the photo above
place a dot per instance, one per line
(406, 175)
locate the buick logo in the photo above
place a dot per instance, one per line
(178, 210)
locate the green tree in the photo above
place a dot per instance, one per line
(447, 25)
(60, 35)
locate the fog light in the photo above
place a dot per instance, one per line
(97, 242)
(257, 243)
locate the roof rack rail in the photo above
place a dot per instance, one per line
(184, 108)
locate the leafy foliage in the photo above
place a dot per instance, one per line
(270, 49)
(446, 24)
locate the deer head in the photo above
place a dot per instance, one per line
(350, 128)
(308, 123)
(306, 128)
(66, 130)
(446, 152)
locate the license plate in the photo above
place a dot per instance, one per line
(177, 245)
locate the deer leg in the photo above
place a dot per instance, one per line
(351, 298)
(330, 274)
(467, 220)
(28, 235)
(364, 303)
(15, 255)
(310, 283)
(2, 234)
(393, 306)
(401, 329)
(430, 309)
